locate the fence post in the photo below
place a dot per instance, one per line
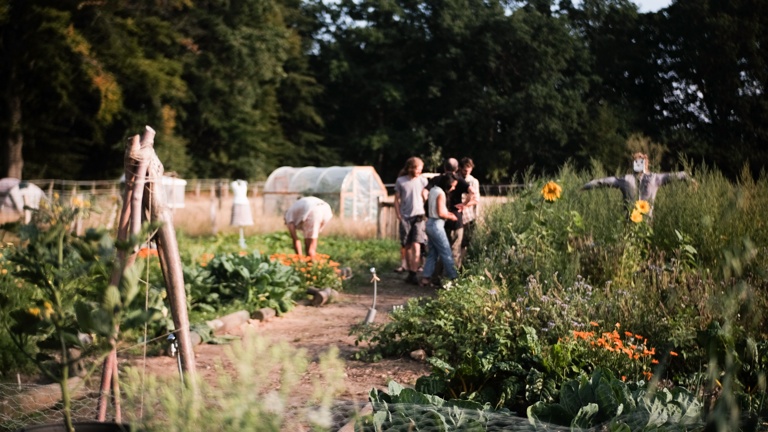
(214, 199)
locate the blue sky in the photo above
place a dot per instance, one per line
(652, 5)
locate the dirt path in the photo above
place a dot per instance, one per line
(316, 329)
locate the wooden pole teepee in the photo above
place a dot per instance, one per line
(144, 196)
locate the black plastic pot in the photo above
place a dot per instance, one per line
(79, 427)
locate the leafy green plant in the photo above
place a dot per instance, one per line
(252, 279)
(402, 408)
(593, 400)
(71, 304)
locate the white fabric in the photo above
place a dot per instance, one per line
(471, 213)
(309, 214)
(239, 192)
(241, 207)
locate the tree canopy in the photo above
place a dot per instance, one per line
(240, 87)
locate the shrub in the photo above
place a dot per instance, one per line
(256, 388)
(251, 280)
(320, 272)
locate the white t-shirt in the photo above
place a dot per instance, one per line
(309, 214)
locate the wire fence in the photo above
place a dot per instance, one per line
(203, 206)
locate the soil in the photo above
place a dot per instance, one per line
(316, 329)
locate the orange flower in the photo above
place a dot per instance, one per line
(594, 324)
(242, 253)
(205, 258)
(636, 216)
(147, 252)
(654, 361)
(673, 354)
(642, 206)
(551, 191)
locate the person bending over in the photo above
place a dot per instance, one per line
(309, 214)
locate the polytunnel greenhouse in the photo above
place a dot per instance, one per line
(353, 192)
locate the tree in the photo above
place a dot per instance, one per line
(77, 77)
(51, 79)
(714, 66)
(502, 84)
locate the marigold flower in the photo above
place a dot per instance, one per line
(594, 324)
(623, 377)
(147, 252)
(673, 354)
(551, 191)
(636, 216)
(242, 253)
(34, 311)
(628, 333)
(654, 361)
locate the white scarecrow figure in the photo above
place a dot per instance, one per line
(19, 196)
(241, 208)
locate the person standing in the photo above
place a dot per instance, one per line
(310, 215)
(409, 206)
(471, 210)
(640, 185)
(438, 240)
(459, 197)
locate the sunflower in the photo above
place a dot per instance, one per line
(551, 191)
(636, 216)
(642, 206)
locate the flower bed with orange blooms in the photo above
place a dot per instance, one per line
(320, 272)
(626, 354)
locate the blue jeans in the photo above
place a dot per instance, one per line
(438, 247)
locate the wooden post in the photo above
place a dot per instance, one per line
(141, 162)
(213, 210)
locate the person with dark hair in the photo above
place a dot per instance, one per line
(409, 207)
(642, 185)
(438, 213)
(460, 197)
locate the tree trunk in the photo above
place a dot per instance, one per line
(14, 162)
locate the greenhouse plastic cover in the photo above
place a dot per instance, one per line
(352, 191)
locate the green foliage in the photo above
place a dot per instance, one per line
(70, 295)
(317, 272)
(252, 280)
(13, 296)
(693, 298)
(475, 350)
(402, 408)
(591, 401)
(245, 398)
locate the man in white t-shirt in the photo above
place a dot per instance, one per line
(409, 208)
(309, 214)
